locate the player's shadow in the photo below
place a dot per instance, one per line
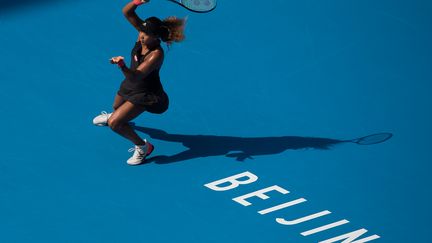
(239, 148)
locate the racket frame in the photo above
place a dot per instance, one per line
(358, 140)
(196, 11)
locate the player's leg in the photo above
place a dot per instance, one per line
(118, 101)
(102, 119)
(119, 123)
(120, 118)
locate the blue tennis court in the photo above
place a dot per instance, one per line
(257, 145)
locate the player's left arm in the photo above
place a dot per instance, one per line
(152, 61)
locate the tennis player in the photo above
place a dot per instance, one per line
(141, 90)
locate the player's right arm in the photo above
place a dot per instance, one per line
(130, 14)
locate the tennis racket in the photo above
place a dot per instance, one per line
(198, 6)
(371, 139)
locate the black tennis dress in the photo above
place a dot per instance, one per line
(147, 92)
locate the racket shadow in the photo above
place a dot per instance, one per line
(239, 148)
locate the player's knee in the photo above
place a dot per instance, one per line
(115, 124)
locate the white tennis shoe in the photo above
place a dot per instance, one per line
(102, 119)
(140, 153)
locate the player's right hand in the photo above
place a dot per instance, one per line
(116, 60)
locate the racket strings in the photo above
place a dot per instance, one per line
(199, 5)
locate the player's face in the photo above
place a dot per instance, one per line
(146, 39)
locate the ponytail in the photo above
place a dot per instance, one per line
(172, 30)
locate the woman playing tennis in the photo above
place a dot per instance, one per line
(141, 90)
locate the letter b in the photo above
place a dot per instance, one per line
(232, 181)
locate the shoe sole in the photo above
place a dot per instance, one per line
(106, 124)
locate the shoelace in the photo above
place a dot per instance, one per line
(104, 113)
(132, 150)
(140, 151)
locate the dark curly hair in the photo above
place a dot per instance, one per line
(168, 30)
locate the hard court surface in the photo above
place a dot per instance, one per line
(269, 88)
